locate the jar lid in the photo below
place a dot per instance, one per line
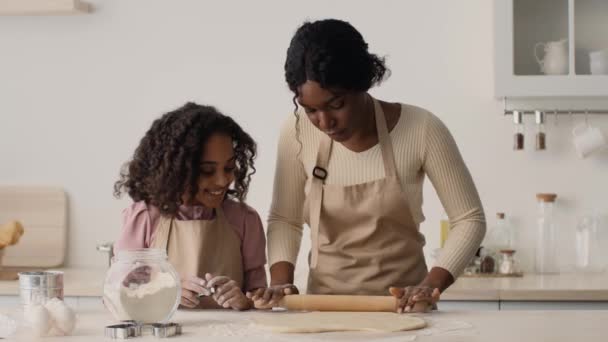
(546, 197)
(41, 279)
(507, 251)
(141, 254)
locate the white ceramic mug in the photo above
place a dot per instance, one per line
(555, 59)
(598, 62)
(587, 139)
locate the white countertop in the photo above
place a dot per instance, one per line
(566, 287)
(77, 282)
(555, 326)
(563, 287)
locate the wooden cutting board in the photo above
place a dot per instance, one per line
(43, 212)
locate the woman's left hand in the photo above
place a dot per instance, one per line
(419, 298)
(227, 294)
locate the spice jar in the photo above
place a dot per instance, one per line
(518, 136)
(488, 264)
(540, 131)
(507, 262)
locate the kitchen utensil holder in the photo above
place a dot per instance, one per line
(559, 112)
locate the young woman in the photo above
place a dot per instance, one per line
(352, 167)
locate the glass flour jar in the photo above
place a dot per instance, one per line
(142, 286)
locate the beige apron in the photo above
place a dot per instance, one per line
(364, 238)
(196, 247)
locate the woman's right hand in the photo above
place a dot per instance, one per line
(191, 287)
(269, 297)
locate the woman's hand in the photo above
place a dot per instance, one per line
(227, 294)
(267, 298)
(415, 298)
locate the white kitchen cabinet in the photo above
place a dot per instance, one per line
(506, 305)
(468, 305)
(521, 24)
(530, 305)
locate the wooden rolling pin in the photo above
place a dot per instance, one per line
(338, 303)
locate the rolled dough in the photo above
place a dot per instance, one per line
(316, 322)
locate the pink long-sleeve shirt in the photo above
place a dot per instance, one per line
(141, 220)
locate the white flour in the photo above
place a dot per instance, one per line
(151, 302)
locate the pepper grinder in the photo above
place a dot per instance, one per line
(518, 137)
(540, 130)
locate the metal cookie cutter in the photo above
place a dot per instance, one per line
(212, 289)
(123, 331)
(163, 330)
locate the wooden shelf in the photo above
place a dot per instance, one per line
(44, 7)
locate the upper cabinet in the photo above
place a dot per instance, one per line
(551, 48)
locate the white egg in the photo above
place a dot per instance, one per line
(38, 319)
(63, 316)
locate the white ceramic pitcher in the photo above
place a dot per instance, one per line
(555, 60)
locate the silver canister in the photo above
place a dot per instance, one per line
(40, 286)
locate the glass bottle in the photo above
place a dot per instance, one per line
(498, 237)
(546, 242)
(588, 244)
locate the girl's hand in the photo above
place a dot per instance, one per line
(227, 294)
(191, 288)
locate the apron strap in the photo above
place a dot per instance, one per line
(319, 174)
(219, 214)
(164, 232)
(384, 139)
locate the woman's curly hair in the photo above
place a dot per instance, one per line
(166, 163)
(334, 54)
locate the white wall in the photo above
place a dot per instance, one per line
(77, 93)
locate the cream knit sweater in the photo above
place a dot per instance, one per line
(422, 145)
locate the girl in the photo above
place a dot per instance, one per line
(188, 180)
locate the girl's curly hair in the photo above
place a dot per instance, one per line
(166, 163)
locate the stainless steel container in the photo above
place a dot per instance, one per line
(40, 286)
